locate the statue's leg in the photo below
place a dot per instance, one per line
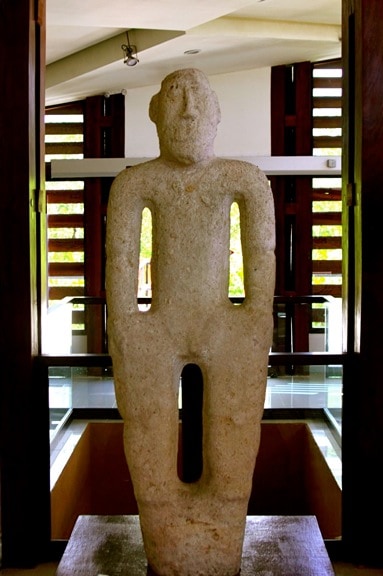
(234, 393)
(147, 395)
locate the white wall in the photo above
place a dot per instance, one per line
(244, 130)
(244, 98)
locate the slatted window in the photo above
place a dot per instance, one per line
(64, 128)
(326, 204)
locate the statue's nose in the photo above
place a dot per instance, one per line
(190, 108)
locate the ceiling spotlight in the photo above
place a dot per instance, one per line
(130, 52)
(193, 51)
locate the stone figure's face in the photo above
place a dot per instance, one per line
(186, 112)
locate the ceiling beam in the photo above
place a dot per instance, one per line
(103, 54)
(281, 30)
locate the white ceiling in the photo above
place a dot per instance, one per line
(84, 55)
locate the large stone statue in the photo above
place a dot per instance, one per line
(190, 529)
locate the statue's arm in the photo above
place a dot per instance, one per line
(122, 247)
(258, 240)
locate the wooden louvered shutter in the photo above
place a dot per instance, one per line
(64, 126)
(327, 205)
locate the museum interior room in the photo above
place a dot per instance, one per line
(300, 90)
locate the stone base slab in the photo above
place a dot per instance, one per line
(273, 546)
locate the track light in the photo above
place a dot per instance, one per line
(130, 52)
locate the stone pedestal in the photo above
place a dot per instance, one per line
(273, 546)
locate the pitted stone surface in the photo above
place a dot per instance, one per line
(190, 529)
